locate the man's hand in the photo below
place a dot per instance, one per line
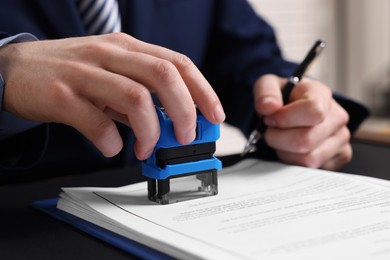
(310, 130)
(88, 82)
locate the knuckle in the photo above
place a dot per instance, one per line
(310, 160)
(122, 39)
(60, 94)
(120, 36)
(139, 97)
(91, 49)
(346, 134)
(72, 68)
(304, 142)
(344, 117)
(317, 110)
(61, 99)
(183, 62)
(166, 71)
(346, 155)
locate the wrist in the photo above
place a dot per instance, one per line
(9, 123)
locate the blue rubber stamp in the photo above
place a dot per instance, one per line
(178, 172)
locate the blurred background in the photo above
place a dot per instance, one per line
(356, 61)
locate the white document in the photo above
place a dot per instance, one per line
(232, 141)
(264, 210)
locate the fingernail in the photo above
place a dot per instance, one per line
(266, 100)
(147, 154)
(111, 144)
(219, 114)
(189, 137)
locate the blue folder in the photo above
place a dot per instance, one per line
(49, 207)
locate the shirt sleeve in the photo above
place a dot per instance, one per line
(9, 123)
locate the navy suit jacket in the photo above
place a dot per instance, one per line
(230, 44)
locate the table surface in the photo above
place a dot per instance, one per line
(28, 234)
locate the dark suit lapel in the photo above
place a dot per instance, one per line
(141, 18)
(63, 16)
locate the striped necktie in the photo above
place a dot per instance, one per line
(100, 16)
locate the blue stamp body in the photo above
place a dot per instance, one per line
(171, 160)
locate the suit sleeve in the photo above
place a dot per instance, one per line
(243, 48)
(22, 142)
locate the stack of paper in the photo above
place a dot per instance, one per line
(264, 210)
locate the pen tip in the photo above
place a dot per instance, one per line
(247, 148)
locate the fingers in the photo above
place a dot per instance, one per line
(325, 145)
(126, 101)
(342, 158)
(333, 153)
(171, 75)
(310, 98)
(134, 69)
(309, 130)
(114, 115)
(108, 77)
(94, 125)
(268, 96)
(305, 139)
(162, 77)
(201, 92)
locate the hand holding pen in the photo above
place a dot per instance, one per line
(286, 91)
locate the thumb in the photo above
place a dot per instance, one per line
(267, 94)
(95, 126)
